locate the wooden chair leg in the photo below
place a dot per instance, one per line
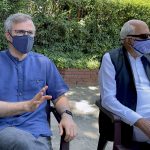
(101, 143)
(63, 144)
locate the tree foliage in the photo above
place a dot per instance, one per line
(83, 27)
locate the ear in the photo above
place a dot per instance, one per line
(8, 37)
(129, 41)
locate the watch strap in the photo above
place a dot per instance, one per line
(67, 112)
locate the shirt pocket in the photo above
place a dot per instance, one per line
(35, 85)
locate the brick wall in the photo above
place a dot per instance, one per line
(80, 77)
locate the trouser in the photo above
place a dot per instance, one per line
(12, 138)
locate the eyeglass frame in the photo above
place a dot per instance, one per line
(141, 36)
(24, 32)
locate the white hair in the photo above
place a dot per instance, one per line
(16, 18)
(127, 29)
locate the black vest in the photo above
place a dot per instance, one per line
(125, 87)
(126, 91)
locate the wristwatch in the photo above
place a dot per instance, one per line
(67, 112)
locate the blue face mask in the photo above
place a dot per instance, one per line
(23, 43)
(142, 46)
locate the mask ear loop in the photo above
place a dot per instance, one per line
(11, 37)
(136, 50)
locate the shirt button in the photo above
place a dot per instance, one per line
(37, 81)
(20, 94)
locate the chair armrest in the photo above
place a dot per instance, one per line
(112, 116)
(116, 121)
(55, 113)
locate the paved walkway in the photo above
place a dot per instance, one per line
(82, 102)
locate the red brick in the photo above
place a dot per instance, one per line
(80, 76)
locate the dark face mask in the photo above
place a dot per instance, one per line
(23, 43)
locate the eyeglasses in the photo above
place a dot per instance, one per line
(24, 32)
(141, 36)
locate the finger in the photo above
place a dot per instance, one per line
(38, 96)
(67, 136)
(44, 89)
(72, 134)
(60, 129)
(47, 97)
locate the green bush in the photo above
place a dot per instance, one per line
(74, 59)
(76, 33)
(94, 31)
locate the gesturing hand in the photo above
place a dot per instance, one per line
(39, 98)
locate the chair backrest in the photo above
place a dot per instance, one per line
(63, 144)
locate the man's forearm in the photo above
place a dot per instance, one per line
(62, 104)
(12, 108)
(66, 124)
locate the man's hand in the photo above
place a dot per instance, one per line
(144, 125)
(66, 122)
(11, 109)
(39, 98)
(70, 127)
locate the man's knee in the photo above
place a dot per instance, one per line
(21, 144)
(12, 138)
(17, 144)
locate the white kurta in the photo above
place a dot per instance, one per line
(108, 93)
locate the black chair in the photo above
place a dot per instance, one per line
(63, 144)
(110, 128)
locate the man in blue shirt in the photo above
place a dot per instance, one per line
(27, 80)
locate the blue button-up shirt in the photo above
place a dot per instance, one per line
(20, 81)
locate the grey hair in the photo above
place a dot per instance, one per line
(14, 19)
(127, 29)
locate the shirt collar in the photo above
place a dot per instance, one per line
(14, 59)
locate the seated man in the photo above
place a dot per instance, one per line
(125, 81)
(27, 80)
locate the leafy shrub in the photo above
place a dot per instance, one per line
(76, 33)
(73, 59)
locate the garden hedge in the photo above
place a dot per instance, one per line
(76, 33)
